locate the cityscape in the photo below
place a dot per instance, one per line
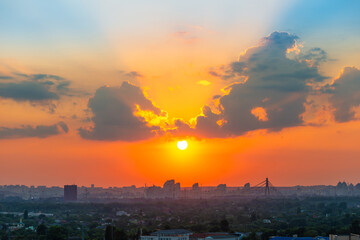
(173, 190)
(175, 213)
(180, 120)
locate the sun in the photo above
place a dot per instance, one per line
(182, 145)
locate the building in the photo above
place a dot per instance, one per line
(214, 236)
(70, 193)
(171, 189)
(299, 238)
(344, 237)
(171, 234)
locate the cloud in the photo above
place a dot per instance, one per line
(204, 83)
(268, 89)
(115, 117)
(133, 74)
(41, 131)
(314, 57)
(188, 36)
(345, 96)
(271, 86)
(34, 88)
(27, 91)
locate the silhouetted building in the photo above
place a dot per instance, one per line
(221, 189)
(195, 187)
(171, 189)
(70, 193)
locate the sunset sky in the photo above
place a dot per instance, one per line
(100, 92)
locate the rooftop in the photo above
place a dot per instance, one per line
(171, 232)
(222, 236)
(299, 238)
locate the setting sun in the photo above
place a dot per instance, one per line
(182, 145)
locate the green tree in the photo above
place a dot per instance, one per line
(109, 232)
(41, 229)
(354, 227)
(26, 214)
(56, 233)
(224, 225)
(113, 233)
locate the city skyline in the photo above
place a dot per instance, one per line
(135, 93)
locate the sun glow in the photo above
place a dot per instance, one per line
(182, 145)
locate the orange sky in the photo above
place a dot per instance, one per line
(172, 60)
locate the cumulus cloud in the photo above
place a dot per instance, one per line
(345, 94)
(41, 131)
(115, 117)
(269, 89)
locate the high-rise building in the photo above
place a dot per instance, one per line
(70, 193)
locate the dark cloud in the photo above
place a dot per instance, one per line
(133, 74)
(345, 94)
(314, 56)
(266, 79)
(37, 77)
(27, 91)
(41, 131)
(114, 118)
(5, 77)
(209, 121)
(34, 88)
(213, 73)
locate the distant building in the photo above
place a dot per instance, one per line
(221, 189)
(122, 213)
(300, 238)
(70, 193)
(171, 189)
(195, 187)
(214, 236)
(171, 234)
(153, 192)
(344, 237)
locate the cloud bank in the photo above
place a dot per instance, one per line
(268, 88)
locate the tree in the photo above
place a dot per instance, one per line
(41, 229)
(252, 236)
(310, 233)
(109, 230)
(224, 225)
(56, 233)
(26, 214)
(354, 227)
(253, 216)
(113, 233)
(120, 234)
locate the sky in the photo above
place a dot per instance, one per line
(100, 93)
